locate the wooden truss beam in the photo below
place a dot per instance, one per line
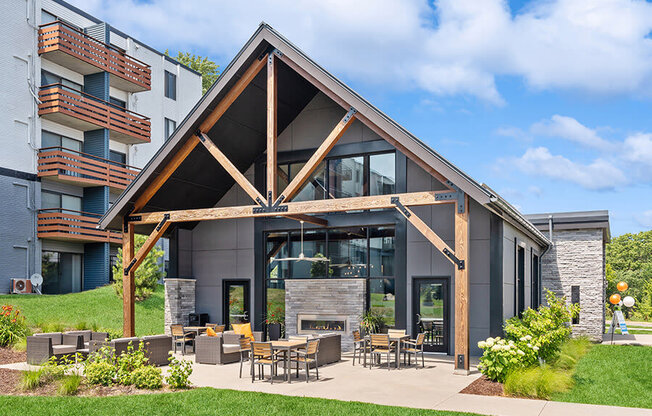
(293, 208)
(240, 179)
(233, 94)
(272, 85)
(317, 157)
(147, 246)
(128, 284)
(165, 174)
(462, 289)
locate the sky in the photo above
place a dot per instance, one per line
(547, 102)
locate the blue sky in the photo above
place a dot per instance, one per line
(548, 102)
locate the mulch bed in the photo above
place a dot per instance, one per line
(484, 387)
(9, 356)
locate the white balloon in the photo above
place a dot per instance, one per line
(629, 301)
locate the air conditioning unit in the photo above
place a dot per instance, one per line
(21, 286)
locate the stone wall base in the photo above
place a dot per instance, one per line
(179, 301)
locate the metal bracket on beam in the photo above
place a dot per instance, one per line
(396, 201)
(166, 217)
(460, 263)
(350, 114)
(128, 268)
(461, 208)
(134, 218)
(201, 136)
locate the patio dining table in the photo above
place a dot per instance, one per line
(287, 346)
(196, 329)
(394, 339)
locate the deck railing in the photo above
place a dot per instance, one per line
(60, 36)
(65, 224)
(75, 166)
(57, 98)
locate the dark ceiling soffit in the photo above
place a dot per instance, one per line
(264, 36)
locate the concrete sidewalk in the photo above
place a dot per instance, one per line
(631, 339)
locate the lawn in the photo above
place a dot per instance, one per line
(616, 375)
(204, 401)
(100, 307)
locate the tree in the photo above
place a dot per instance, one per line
(629, 259)
(147, 275)
(203, 65)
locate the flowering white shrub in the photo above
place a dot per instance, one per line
(501, 356)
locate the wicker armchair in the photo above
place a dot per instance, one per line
(308, 357)
(414, 347)
(157, 349)
(379, 346)
(40, 347)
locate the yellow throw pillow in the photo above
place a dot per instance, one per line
(210, 332)
(243, 329)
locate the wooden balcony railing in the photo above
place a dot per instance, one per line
(59, 38)
(67, 225)
(83, 169)
(88, 113)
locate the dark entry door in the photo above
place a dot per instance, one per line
(430, 307)
(236, 302)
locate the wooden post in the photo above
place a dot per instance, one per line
(271, 125)
(128, 287)
(462, 289)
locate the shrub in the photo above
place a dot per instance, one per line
(31, 379)
(502, 356)
(70, 385)
(538, 382)
(129, 361)
(100, 372)
(571, 351)
(12, 326)
(148, 377)
(147, 275)
(113, 333)
(178, 373)
(372, 321)
(548, 326)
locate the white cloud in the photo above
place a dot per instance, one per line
(645, 218)
(513, 132)
(598, 175)
(457, 47)
(570, 129)
(638, 149)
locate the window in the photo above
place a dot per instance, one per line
(53, 200)
(535, 281)
(49, 139)
(118, 103)
(519, 286)
(117, 157)
(314, 245)
(347, 251)
(47, 17)
(48, 78)
(382, 299)
(170, 126)
(382, 174)
(346, 177)
(381, 251)
(170, 85)
(62, 272)
(575, 300)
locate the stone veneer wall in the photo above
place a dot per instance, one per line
(577, 257)
(328, 297)
(179, 301)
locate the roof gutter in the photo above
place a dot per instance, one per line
(512, 212)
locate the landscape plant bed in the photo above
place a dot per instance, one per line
(10, 386)
(484, 387)
(10, 356)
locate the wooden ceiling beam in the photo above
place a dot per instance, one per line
(309, 219)
(317, 157)
(294, 208)
(224, 161)
(272, 87)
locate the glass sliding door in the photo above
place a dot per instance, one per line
(236, 302)
(430, 307)
(62, 272)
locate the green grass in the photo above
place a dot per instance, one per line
(98, 308)
(204, 401)
(616, 375)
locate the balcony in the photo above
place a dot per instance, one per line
(81, 169)
(85, 112)
(68, 225)
(73, 49)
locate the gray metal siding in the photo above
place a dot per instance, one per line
(96, 265)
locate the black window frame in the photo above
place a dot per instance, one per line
(575, 300)
(166, 127)
(170, 85)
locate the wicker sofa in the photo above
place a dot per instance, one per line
(157, 347)
(221, 349)
(40, 347)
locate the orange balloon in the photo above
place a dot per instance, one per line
(622, 286)
(614, 299)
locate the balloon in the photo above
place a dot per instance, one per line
(614, 299)
(629, 301)
(622, 286)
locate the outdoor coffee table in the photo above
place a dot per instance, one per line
(287, 347)
(394, 339)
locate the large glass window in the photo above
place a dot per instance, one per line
(381, 251)
(276, 297)
(346, 177)
(52, 200)
(347, 251)
(314, 245)
(48, 78)
(382, 299)
(62, 272)
(49, 139)
(382, 174)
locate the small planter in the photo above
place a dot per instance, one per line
(274, 331)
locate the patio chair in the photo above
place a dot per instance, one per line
(414, 347)
(307, 357)
(245, 352)
(380, 345)
(262, 354)
(359, 347)
(180, 336)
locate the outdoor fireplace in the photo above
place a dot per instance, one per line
(308, 324)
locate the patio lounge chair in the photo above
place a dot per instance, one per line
(307, 357)
(221, 349)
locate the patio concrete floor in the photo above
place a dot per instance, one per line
(435, 387)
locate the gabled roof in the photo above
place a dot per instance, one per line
(261, 41)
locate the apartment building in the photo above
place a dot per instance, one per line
(84, 107)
